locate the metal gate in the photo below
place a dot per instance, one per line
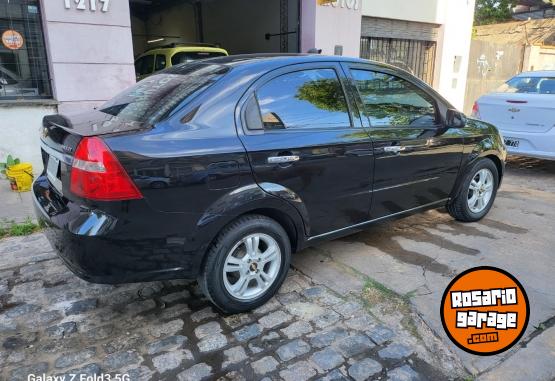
(415, 56)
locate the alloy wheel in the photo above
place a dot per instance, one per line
(480, 190)
(252, 266)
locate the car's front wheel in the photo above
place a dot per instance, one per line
(477, 193)
(246, 264)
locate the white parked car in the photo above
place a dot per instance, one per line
(523, 109)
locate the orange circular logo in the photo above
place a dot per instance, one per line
(12, 39)
(485, 311)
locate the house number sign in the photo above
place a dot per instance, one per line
(93, 5)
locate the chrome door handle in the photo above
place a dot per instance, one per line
(283, 159)
(394, 149)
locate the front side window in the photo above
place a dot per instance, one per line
(529, 85)
(23, 64)
(160, 62)
(144, 65)
(304, 99)
(392, 101)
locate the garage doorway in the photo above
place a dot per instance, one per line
(239, 26)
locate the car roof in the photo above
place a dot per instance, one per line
(538, 73)
(177, 49)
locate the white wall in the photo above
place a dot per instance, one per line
(325, 26)
(454, 42)
(19, 132)
(428, 11)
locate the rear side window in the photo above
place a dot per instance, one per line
(144, 65)
(529, 85)
(183, 57)
(304, 99)
(160, 62)
(155, 97)
(392, 101)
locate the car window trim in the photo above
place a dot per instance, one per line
(439, 124)
(283, 70)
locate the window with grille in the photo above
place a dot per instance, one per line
(23, 64)
(415, 56)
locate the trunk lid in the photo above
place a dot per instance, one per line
(519, 112)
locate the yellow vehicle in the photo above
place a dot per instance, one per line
(162, 57)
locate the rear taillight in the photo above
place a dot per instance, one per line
(97, 174)
(476, 111)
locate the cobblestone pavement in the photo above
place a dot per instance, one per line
(53, 323)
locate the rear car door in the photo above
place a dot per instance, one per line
(306, 141)
(416, 158)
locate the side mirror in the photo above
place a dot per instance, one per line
(455, 119)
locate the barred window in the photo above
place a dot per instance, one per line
(23, 63)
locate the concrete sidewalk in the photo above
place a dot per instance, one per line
(14, 206)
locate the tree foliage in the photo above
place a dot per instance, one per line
(493, 11)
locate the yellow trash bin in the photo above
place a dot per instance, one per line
(20, 176)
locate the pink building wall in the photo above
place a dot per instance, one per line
(90, 52)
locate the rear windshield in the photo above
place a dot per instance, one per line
(183, 57)
(529, 85)
(154, 98)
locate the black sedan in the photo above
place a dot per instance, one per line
(262, 156)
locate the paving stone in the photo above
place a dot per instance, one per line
(72, 359)
(297, 329)
(274, 319)
(300, 371)
(362, 322)
(403, 373)
(326, 319)
(166, 329)
(236, 321)
(395, 351)
(21, 310)
(195, 373)
(171, 360)
(22, 373)
(139, 307)
(166, 344)
(141, 373)
(348, 309)
(364, 369)
(86, 372)
(233, 376)
(120, 359)
(16, 357)
(62, 330)
(212, 342)
(207, 329)
(313, 292)
(270, 336)
(293, 349)
(270, 305)
(355, 345)
(255, 349)
(175, 311)
(380, 334)
(289, 298)
(248, 332)
(122, 343)
(234, 356)
(334, 375)
(265, 365)
(42, 319)
(326, 338)
(81, 306)
(305, 311)
(100, 333)
(205, 313)
(327, 359)
(174, 297)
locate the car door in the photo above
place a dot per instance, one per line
(306, 141)
(144, 66)
(417, 159)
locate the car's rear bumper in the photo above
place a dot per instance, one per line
(102, 248)
(540, 145)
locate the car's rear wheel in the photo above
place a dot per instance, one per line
(246, 264)
(477, 193)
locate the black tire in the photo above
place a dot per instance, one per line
(211, 279)
(458, 208)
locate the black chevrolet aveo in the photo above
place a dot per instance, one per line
(218, 170)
